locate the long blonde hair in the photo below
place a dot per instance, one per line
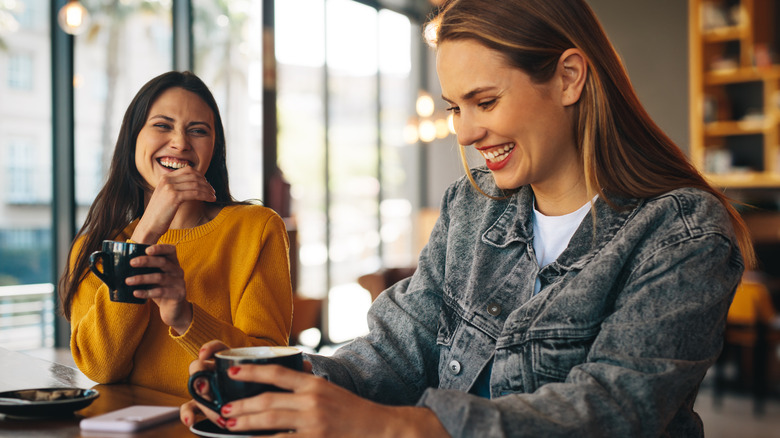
(624, 153)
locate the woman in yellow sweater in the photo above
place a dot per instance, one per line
(225, 266)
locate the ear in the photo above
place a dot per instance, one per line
(573, 69)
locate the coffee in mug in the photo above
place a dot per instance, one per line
(225, 390)
(114, 258)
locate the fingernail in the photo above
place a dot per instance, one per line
(231, 422)
(187, 421)
(221, 421)
(226, 409)
(199, 385)
(233, 370)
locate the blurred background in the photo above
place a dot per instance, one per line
(333, 117)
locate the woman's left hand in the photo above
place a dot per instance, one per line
(318, 408)
(169, 291)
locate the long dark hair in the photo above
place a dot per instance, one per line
(623, 151)
(121, 200)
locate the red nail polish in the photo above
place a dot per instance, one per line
(221, 421)
(226, 409)
(231, 422)
(233, 370)
(199, 386)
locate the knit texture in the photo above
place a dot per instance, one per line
(237, 274)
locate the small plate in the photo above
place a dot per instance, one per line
(46, 402)
(208, 429)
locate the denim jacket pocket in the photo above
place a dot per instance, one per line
(554, 357)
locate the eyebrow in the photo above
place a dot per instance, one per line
(471, 93)
(170, 119)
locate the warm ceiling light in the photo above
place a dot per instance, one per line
(427, 131)
(73, 18)
(442, 128)
(424, 105)
(410, 132)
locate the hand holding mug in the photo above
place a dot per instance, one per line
(309, 405)
(112, 265)
(168, 289)
(224, 389)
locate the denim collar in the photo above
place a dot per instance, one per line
(515, 225)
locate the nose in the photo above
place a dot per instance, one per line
(468, 130)
(179, 140)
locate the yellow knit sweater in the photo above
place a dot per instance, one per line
(237, 274)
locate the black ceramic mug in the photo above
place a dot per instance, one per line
(225, 390)
(114, 258)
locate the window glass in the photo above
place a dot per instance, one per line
(301, 121)
(20, 69)
(228, 57)
(399, 160)
(127, 43)
(336, 183)
(352, 59)
(26, 291)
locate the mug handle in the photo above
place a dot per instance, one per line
(93, 258)
(215, 405)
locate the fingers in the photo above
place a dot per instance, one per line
(168, 283)
(161, 256)
(188, 411)
(278, 420)
(208, 349)
(276, 375)
(185, 184)
(162, 249)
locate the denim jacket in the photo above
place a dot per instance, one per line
(629, 318)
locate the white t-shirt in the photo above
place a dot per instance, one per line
(552, 235)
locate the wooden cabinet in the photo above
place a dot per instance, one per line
(735, 91)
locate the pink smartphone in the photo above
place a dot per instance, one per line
(130, 419)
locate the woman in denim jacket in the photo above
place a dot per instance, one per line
(577, 285)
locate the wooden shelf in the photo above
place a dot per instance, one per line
(742, 180)
(743, 74)
(723, 129)
(740, 99)
(722, 34)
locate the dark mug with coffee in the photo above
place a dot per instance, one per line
(114, 258)
(225, 390)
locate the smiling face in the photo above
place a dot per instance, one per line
(178, 132)
(524, 130)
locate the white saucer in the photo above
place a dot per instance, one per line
(208, 429)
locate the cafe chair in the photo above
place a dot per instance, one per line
(376, 282)
(307, 314)
(748, 345)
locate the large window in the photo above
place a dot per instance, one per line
(345, 92)
(228, 57)
(126, 44)
(345, 89)
(26, 317)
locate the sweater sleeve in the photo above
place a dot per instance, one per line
(261, 305)
(104, 334)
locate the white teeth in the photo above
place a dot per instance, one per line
(173, 164)
(499, 154)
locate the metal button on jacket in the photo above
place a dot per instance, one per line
(494, 309)
(454, 367)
